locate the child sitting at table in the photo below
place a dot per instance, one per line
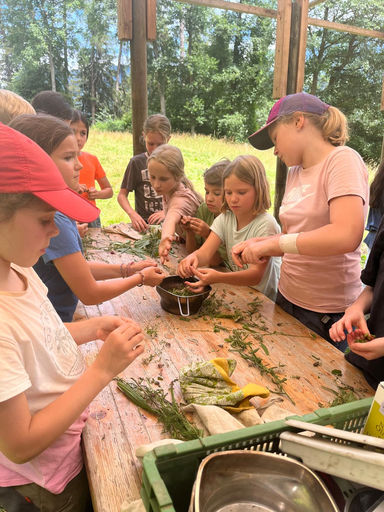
(92, 170)
(45, 388)
(166, 173)
(148, 205)
(63, 268)
(244, 215)
(197, 229)
(369, 355)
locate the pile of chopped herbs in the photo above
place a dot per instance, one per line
(345, 395)
(182, 291)
(148, 245)
(169, 413)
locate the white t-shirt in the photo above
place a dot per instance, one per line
(39, 357)
(327, 284)
(225, 227)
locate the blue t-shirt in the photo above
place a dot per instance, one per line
(68, 241)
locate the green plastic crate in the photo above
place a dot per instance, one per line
(170, 470)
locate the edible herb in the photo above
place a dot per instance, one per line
(367, 337)
(337, 372)
(181, 291)
(343, 396)
(238, 342)
(151, 331)
(174, 421)
(148, 245)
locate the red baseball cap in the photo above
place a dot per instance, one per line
(25, 168)
(300, 102)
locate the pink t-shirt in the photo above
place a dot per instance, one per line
(324, 284)
(182, 201)
(39, 357)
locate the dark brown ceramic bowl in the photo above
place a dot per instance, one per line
(177, 304)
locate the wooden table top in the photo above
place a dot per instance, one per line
(116, 427)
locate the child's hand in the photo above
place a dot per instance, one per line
(353, 317)
(185, 223)
(141, 265)
(156, 218)
(93, 193)
(82, 228)
(187, 265)
(206, 276)
(82, 188)
(200, 227)
(255, 250)
(108, 324)
(138, 223)
(369, 350)
(165, 248)
(153, 276)
(120, 349)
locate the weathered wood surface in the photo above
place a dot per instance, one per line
(116, 427)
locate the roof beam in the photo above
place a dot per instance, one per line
(270, 13)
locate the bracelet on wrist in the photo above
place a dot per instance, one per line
(142, 277)
(122, 270)
(129, 267)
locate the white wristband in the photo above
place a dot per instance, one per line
(287, 243)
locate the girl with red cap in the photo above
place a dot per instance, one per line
(45, 387)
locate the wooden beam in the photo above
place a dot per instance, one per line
(302, 45)
(270, 13)
(139, 73)
(124, 20)
(283, 30)
(151, 20)
(314, 3)
(340, 27)
(382, 97)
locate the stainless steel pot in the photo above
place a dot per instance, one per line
(242, 481)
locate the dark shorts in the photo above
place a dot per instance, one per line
(74, 498)
(320, 323)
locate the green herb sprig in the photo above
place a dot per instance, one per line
(169, 414)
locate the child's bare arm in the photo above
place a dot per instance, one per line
(78, 274)
(105, 191)
(137, 220)
(24, 436)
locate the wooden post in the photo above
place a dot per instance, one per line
(124, 20)
(139, 73)
(151, 20)
(283, 28)
(292, 85)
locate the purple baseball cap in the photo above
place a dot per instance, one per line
(300, 102)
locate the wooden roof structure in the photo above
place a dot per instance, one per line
(137, 23)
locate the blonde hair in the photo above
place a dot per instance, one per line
(12, 105)
(332, 125)
(158, 123)
(173, 160)
(249, 169)
(214, 175)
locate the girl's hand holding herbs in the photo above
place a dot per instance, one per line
(121, 347)
(82, 188)
(206, 276)
(187, 265)
(93, 193)
(200, 227)
(364, 345)
(186, 223)
(107, 324)
(353, 317)
(165, 248)
(156, 218)
(256, 250)
(153, 276)
(141, 265)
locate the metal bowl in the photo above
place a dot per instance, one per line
(242, 481)
(177, 304)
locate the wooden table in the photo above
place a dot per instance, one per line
(116, 427)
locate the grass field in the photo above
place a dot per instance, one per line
(114, 151)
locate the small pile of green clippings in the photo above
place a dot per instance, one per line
(181, 291)
(174, 421)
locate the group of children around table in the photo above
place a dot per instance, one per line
(311, 267)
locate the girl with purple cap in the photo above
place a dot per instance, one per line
(45, 388)
(322, 212)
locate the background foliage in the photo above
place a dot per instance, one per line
(210, 71)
